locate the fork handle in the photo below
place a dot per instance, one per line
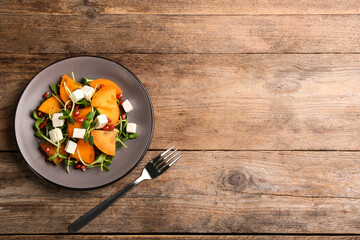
(90, 215)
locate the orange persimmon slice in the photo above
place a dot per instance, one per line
(105, 141)
(53, 148)
(105, 102)
(50, 104)
(104, 98)
(83, 113)
(87, 152)
(107, 83)
(71, 84)
(112, 114)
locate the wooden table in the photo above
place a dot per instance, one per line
(263, 98)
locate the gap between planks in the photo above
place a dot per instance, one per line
(184, 7)
(190, 235)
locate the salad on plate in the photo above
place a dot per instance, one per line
(83, 124)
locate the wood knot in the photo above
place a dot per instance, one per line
(234, 180)
(91, 13)
(91, 10)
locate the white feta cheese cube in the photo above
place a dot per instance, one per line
(101, 121)
(56, 135)
(56, 122)
(88, 92)
(78, 95)
(70, 147)
(79, 133)
(131, 127)
(127, 106)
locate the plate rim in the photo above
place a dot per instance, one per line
(117, 179)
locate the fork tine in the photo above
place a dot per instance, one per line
(172, 163)
(166, 151)
(170, 154)
(165, 162)
(164, 158)
(157, 158)
(168, 166)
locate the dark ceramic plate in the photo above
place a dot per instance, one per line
(125, 159)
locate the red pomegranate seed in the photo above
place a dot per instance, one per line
(80, 120)
(76, 107)
(121, 102)
(119, 96)
(39, 114)
(76, 113)
(111, 127)
(101, 86)
(46, 120)
(47, 159)
(106, 127)
(78, 165)
(123, 116)
(46, 94)
(42, 125)
(69, 106)
(109, 120)
(83, 168)
(47, 149)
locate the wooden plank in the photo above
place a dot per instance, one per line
(205, 192)
(71, 7)
(180, 34)
(176, 237)
(239, 102)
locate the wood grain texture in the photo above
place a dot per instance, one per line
(238, 102)
(220, 80)
(179, 34)
(76, 7)
(175, 237)
(206, 192)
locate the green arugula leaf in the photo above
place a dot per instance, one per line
(64, 117)
(85, 124)
(62, 156)
(71, 120)
(85, 81)
(38, 135)
(34, 114)
(49, 126)
(38, 122)
(100, 158)
(83, 103)
(90, 115)
(86, 136)
(53, 88)
(133, 135)
(52, 157)
(91, 140)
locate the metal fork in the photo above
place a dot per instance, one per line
(153, 169)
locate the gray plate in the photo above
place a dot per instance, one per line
(91, 67)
